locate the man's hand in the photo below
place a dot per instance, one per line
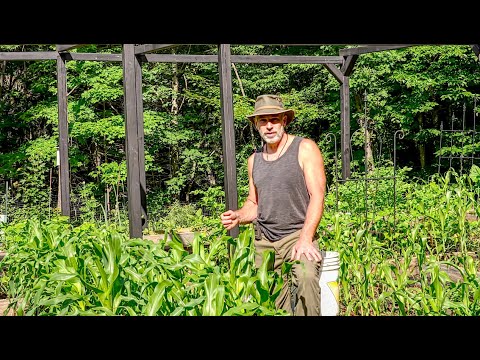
(306, 248)
(230, 219)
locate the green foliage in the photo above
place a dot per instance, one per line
(414, 89)
(178, 216)
(10, 164)
(32, 187)
(420, 260)
(109, 129)
(90, 205)
(54, 269)
(475, 174)
(211, 200)
(372, 192)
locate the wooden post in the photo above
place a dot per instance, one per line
(141, 141)
(131, 142)
(345, 132)
(64, 172)
(228, 131)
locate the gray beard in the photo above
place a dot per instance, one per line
(275, 139)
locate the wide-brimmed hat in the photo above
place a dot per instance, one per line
(270, 104)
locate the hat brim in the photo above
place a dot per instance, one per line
(290, 114)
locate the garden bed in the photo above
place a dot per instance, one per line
(186, 237)
(453, 273)
(3, 306)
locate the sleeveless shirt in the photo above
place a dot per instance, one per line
(282, 193)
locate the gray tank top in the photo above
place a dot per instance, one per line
(282, 193)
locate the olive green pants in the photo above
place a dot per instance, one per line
(301, 297)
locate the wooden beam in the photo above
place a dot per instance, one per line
(296, 44)
(64, 172)
(28, 55)
(131, 142)
(228, 130)
(52, 55)
(61, 48)
(93, 57)
(287, 59)
(335, 72)
(176, 58)
(252, 59)
(344, 117)
(143, 49)
(347, 67)
(369, 49)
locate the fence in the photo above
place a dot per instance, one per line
(458, 145)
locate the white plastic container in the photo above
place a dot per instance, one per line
(329, 290)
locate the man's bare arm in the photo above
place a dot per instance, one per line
(311, 161)
(248, 212)
(315, 178)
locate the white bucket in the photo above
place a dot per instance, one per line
(329, 291)
(3, 218)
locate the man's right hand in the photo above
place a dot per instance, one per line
(230, 219)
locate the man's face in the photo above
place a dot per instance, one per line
(271, 127)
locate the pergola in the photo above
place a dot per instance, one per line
(133, 56)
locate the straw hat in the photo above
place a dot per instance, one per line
(270, 104)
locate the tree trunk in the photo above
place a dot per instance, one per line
(211, 177)
(3, 66)
(107, 199)
(421, 145)
(190, 183)
(370, 166)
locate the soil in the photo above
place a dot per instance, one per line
(3, 301)
(3, 306)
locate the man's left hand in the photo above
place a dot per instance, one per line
(306, 248)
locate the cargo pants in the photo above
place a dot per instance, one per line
(302, 296)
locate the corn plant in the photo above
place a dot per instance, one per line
(96, 270)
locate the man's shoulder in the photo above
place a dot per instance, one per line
(308, 145)
(252, 155)
(306, 141)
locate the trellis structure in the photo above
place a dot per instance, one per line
(132, 57)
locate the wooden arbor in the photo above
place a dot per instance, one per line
(132, 57)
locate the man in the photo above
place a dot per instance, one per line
(287, 185)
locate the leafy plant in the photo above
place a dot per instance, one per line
(52, 268)
(180, 216)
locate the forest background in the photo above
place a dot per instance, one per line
(418, 90)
